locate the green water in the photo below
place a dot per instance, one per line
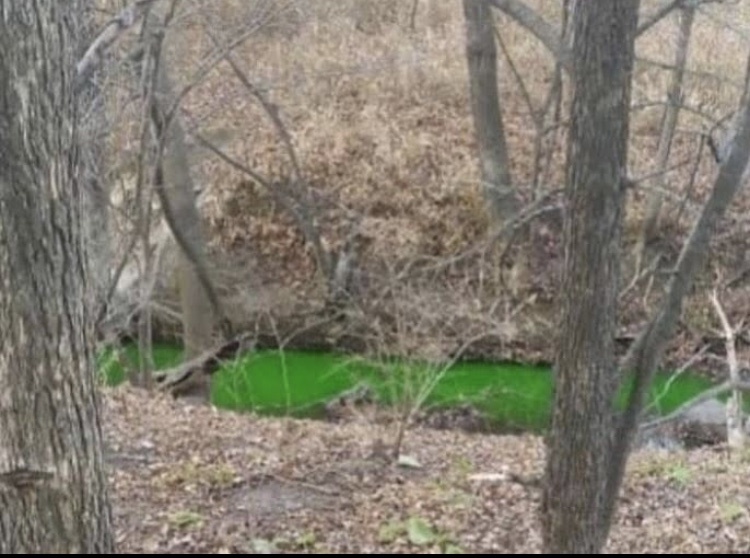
(301, 383)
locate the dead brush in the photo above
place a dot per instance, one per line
(412, 345)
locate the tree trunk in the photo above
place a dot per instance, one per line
(586, 379)
(481, 56)
(53, 489)
(668, 127)
(198, 299)
(197, 311)
(174, 186)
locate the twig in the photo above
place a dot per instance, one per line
(547, 33)
(735, 422)
(707, 395)
(304, 204)
(674, 377)
(303, 221)
(107, 37)
(691, 183)
(647, 272)
(657, 16)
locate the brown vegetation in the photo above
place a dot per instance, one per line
(336, 166)
(380, 120)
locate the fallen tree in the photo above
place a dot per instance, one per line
(180, 380)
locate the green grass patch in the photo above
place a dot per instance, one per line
(301, 383)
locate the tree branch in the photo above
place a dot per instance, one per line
(707, 395)
(736, 437)
(299, 213)
(107, 37)
(666, 9)
(657, 16)
(543, 30)
(550, 36)
(306, 222)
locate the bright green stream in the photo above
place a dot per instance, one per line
(300, 384)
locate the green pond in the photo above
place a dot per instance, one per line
(512, 397)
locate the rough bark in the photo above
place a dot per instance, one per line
(586, 380)
(175, 379)
(481, 55)
(53, 490)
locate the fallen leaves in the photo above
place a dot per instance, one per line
(227, 483)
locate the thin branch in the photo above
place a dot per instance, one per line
(707, 395)
(696, 73)
(657, 16)
(691, 183)
(532, 211)
(303, 221)
(270, 108)
(679, 372)
(107, 37)
(516, 75)
(697, 111)
(735, 428)
(310, 231)
(550, 36)
(547, 33)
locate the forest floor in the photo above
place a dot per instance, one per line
(380, 121)
(189, 479)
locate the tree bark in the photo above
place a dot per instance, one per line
(53, 489)
(481, 55)
(586, 379)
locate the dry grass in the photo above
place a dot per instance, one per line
(379, 116)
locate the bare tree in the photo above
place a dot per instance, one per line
(589, 442)
(586, 381)
(481, 55)
(177, 195)
(668, 127)
(53, 489)
(736, 435)
(644, 355)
